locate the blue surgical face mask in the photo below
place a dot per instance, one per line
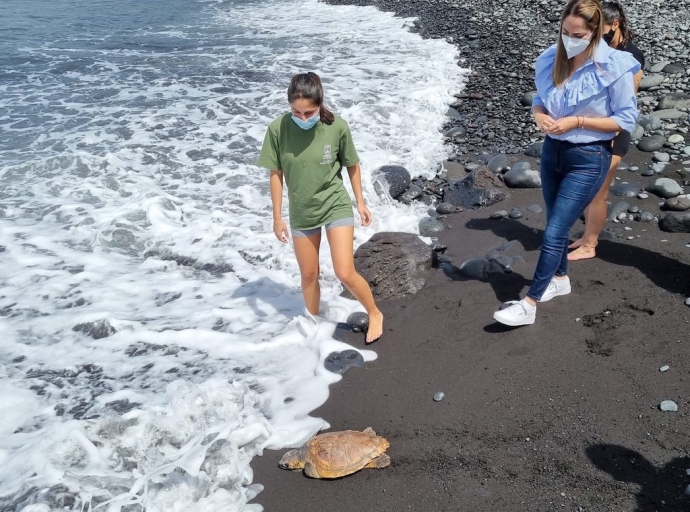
(309, 123)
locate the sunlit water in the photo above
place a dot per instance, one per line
(152, 337)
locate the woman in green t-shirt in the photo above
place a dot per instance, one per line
(308, 148)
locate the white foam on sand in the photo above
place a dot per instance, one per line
(153, 337)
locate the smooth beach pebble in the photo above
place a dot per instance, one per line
(439, 396)
(664, 368)
(535, 208)
(668, 406)
(687, 301)
(359, 321)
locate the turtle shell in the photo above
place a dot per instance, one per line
(336, 454)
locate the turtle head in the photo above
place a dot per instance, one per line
(294, 459)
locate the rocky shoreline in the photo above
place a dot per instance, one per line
(494, 139)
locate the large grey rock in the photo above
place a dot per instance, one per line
(665, 188)
(534, 150)
(650, 81)
(499, 163)
(675, 100)
(527, 98)
(479, 188)
(457, 132)
(394, 264)
(677, 204)
(670, 114)
(659, 66)
(675, 222)
(637, 133)
(624, 190)
(653, 143)
(649, 122)
(393, 179)
(430, 227)
(528, 178)
(614, 210)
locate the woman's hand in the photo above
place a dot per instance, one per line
(280, 230)
(364, 213)
(544, 121)
(562, 125)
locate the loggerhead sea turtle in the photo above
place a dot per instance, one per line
(336, 454)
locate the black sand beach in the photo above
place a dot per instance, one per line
(561, 415)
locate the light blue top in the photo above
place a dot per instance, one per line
(602, 87)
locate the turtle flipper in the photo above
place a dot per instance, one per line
(379, 462)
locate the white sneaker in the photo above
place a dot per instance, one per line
(520, 313)
(556, 287)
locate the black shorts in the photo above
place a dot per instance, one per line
(621, 144)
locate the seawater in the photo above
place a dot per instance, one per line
(152, 337)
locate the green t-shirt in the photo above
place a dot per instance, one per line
(311, 161)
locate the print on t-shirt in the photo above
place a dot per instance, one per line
(327, 155)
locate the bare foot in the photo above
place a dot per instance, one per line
(584, 252)
(577, 243)
(375, 329)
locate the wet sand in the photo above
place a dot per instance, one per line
(561, 415)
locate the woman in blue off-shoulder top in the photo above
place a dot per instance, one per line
(585, 95)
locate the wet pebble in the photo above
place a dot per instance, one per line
(340, 362)
(668, 406)
(500, 214)
(440, 395)
(515, 213)
(535, 208)
(642, 195)
(664, 368)
(359, 321)
(687, 301)
(446, 208)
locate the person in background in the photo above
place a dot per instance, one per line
(308, 147)
(617, 35)
(585, 96)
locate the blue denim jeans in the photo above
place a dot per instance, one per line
(571, 175)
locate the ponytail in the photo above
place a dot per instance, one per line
(308, 86)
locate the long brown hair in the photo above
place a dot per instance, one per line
(591, 12)
(308, 86)
(614, 11)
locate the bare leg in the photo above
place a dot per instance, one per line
(341, 241)
(595, 218)
(307, 253)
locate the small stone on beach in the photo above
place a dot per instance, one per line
(668, 406)
(440, 395)
(664, 368)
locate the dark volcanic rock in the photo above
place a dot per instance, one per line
(394, 264)
(446, 208)
(499, 163)
(677, 204)
(97, 330)
(479, 188)
(665, 188)
(359, 321)
(675, 222)
(528, 178)
(340, 362)
(534, 150)
(676, 100)
(430, 227)
(394, 179)
(624, 190)
(652, 143)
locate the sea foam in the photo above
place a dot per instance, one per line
(153, 335)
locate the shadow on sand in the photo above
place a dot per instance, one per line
(667, 273)
(660, 488)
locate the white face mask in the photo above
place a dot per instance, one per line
(574, 45)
